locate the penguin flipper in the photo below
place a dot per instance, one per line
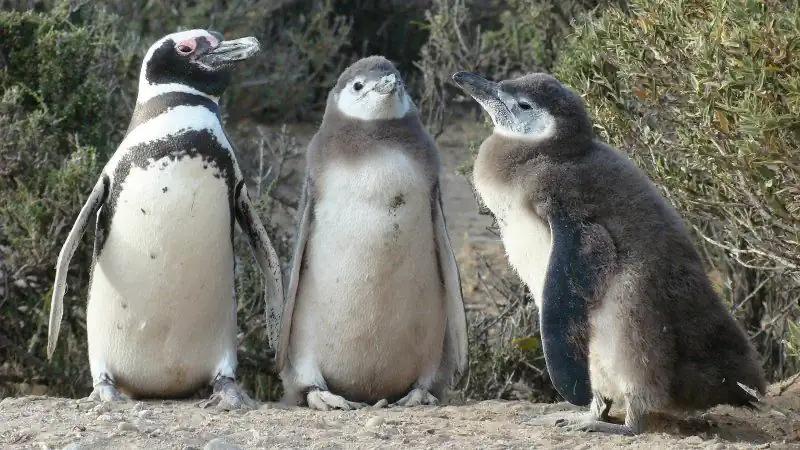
(573, 274)
(456, 343)
(267, 259)
(301, 236)
(96, 199)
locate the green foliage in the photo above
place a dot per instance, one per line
(705, 95)
(521, 36)
(60, 87)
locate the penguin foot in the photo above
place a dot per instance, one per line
(326, 400)
(417, 397)
(589, 422)
(105, 391)
(228, 396)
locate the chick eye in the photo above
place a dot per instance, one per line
(358, 85)
(524, 105)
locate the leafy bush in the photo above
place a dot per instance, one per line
(705, 95)
(515, 37)
(61, 82)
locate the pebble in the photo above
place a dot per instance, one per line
(383, 403)
(693, 440)
(74, 446)
(138, 406)
(220, 444)
(101, 408)
(145, 413)
(126, 426)
(104, 418)
(374, 421)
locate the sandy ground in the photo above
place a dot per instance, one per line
(47, 422)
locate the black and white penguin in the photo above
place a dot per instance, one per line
(161, 315)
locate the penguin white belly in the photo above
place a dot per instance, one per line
(161, 316)
(370, 308)
(526, 237)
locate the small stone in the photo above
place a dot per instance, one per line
(719, 446)
(382, 403)
(220, 444)
(138, 406)
(145, 414)
(74, 446)
(104, 418)
(101, 408)
(693, 440)
(374, 422)
(176, 428)
(126, 426)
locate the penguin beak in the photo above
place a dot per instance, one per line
(388, 84)
(479, 88)
(487, 94)
(229, 52)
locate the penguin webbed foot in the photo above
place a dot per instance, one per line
(417, 397)
(589, 422)
(324, 400)
(598, 419)
(106, 391)
(228, 395)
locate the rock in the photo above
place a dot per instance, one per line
(75, 446)
(383, 403)
(104, 418)
(145, 414)
(220, 444)
(374, 422)
(138, 406)
(126, 426)
(101, 408)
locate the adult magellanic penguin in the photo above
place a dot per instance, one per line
(161, 314)
(374, 306)
(627, 312)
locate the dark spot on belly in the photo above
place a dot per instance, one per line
(398, 201)
(143, 211)
(119, 326)
(164, 189)
(205, 166)
(124, 305)
(396, 230)
(152, 256)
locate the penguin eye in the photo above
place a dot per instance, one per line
(358, 86)
(524, 105)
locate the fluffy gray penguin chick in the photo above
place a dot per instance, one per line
(374, 308)
(627, 312)
(161, 315)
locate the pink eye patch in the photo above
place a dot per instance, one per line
(186, 46)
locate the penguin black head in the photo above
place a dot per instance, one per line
(192, 61)
(535, 106)
(371, 89)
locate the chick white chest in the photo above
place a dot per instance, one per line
(526, 237)
(370, 283)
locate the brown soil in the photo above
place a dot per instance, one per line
(48, 422)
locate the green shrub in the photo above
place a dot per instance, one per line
(705, 95)
(517, 36)
(61, 87)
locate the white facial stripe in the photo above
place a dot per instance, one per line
(148, 90)
(372, 105)
(180, 118)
